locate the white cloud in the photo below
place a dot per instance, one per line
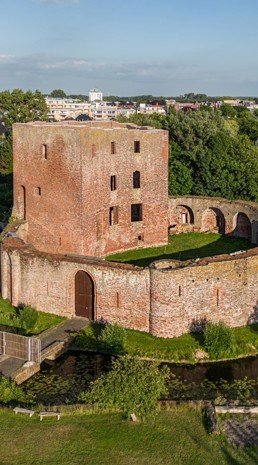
(7, 59)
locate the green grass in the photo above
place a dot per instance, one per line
(9, 317)
(177, 437)
(184, 247)
(182, 348)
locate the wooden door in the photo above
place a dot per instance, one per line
(84, 295)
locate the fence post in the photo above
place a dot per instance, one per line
(29, 349)
(3, 343)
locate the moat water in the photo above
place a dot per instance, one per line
(61, 381)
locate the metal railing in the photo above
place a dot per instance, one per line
(22, 347)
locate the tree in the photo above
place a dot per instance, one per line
(21, 107)
(58, 93)
(228, 111)
(134, 386)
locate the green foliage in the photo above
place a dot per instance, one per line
(133, 386)
(28, 318)
(228, 111)
(10, 392)
(112, 339)
(210, 154)
(218, 339)
(20, 107)
(58, 93)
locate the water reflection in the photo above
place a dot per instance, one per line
(62, 380)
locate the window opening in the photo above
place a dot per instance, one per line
(44, 151)
(113, 148)
(136, 146)
(217, 297)
(136, 212)
(136, 180)
(113, 183)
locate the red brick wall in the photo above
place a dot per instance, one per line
(223, 290)
(71, 214)
(47, 283)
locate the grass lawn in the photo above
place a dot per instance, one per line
(141, 344)
(10, 317)
(184, 247)
(177, 437)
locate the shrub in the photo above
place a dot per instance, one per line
(218, 339)
(10, 392)
(28, 318)
(133, 386)
(112, 339)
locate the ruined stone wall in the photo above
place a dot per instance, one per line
(232, 217)
(167, 299)
(47, 283)
(62, 186)
(222, 289)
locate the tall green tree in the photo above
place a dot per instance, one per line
(58, 93)
(21, 107)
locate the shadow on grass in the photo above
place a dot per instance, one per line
(186, 251)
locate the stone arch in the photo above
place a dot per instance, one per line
(242, 226)
(84, 295)
(213, 219)
(183, 215)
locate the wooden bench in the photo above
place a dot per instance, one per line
(49, 414)
(24, 410)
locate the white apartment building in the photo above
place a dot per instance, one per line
(95, 94)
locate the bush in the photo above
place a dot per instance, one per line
(10, 392)
(218, 339)
(133, 386)
(112, 339)
(28, 318)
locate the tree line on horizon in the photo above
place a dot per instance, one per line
(211, 152)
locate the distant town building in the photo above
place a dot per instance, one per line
(95, 94)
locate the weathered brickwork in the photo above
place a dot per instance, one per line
(212, 289)
(74, 188)
(62, 186)
(121, 292)
(231, 217)
(166, 299)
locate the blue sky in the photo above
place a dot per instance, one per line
(162, 47)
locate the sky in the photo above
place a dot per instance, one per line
(125, 48)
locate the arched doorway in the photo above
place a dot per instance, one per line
(184, 215)
(213, 220)
(84, 295)
(243, 226)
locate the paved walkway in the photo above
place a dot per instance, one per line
(9, 366)
(62, 332)
(54, 341)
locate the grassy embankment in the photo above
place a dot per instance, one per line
(28, 322)
(182, 348)
(184, 247)
(173, 437)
